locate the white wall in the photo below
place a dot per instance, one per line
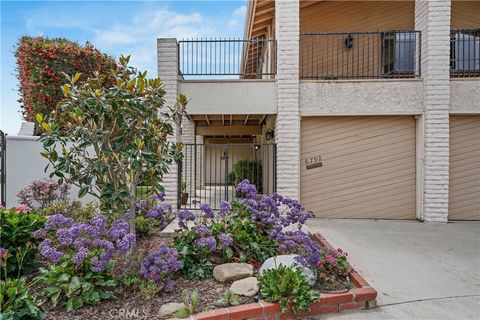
(25, 164)
(361, 97)
(464, 95)
(229, 97)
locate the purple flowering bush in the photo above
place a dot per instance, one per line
(40, 194)
(152, 213)
(160, 265)
(81, 258)
(250, 229)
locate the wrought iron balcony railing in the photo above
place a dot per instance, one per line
(465, 53)
(360, 55)
(227, 58)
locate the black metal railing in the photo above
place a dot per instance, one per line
(465, 53)
(208, 173)
(3, 168)
(253, 58)
(360, 55)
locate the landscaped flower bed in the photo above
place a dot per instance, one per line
(252, 257)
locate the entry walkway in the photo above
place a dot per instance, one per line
(421, 271)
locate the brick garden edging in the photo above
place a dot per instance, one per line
(361, 296)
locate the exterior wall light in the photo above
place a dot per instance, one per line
(269, 134)
(349, 42)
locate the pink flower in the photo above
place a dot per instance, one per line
(330, 258)
(340, 250)
(23, 208)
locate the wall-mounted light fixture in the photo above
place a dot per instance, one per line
(349, 42)
(269, 134)
(257, 147)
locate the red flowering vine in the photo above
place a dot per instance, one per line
(40, 64)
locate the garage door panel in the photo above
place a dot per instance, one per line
(368, 167)
(364, 144)
(353, 133)
(339, 130)
(385, 197)
(400, 211)
(381, 167)
(464, 188)
(359, 184)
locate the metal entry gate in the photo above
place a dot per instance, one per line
(209, 172)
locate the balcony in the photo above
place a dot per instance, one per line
(465, 53)
(360, 55)
(201, 59)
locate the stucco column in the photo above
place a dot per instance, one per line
(432, 18)
(287, 126)
(167, 64)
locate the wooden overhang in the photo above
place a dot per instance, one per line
(228, 125)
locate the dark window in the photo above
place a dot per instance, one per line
(465, 51)
(398, 52)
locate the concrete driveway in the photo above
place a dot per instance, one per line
(421, 271)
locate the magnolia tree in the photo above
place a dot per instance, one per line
(108, 140)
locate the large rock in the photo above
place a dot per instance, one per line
(232, 271)
(247, 287)
(288, 260)
(169, 309)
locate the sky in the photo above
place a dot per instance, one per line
(114, 27)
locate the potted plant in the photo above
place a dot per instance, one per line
(183, 194)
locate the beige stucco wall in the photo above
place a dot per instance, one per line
(366, 97)
(229, 97)
(465, 95)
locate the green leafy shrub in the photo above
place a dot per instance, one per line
(74, 209)
(41, 63)
(65, 283)
(16, 231)
(144, 225)
(17, 302)
(287, 286)
(250, 170)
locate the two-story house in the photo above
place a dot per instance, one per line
(360, 109)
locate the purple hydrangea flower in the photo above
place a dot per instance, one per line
(208, 242)
(225, 240)
(160, 265)
(49, 252)
(205, 207)
(225, 207)
(183, 217)
(57, 220)
(202, 230)
(247, 189)
(80, 256)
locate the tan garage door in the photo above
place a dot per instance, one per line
(464, 202)
(367, 167)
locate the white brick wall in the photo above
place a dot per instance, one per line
(167, 71)
(433, 19)
(287, 126)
